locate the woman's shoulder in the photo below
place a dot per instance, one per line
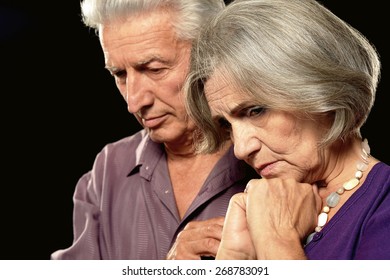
(381, 170)
(379, 177)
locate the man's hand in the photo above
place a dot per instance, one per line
(198, 239)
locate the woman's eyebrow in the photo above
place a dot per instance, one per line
(239, 107)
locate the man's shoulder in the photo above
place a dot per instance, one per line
(122, 154)
(129, 143)
(127, 149)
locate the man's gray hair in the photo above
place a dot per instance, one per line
(189, 15)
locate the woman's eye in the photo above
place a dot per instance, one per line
(224, 124)
(255, 111)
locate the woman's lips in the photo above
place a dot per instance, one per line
(266, 170)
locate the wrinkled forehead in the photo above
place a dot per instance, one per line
(223, 95)
(139, 24)
(215, 86)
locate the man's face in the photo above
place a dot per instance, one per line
(149, 65)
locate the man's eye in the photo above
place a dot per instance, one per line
(119, 74)
(255, 111)
(156, 71)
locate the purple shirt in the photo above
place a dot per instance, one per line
(361, 228)
(124, 208)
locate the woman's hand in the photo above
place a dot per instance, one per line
(236, 242)
(270, 220)
(280, 214)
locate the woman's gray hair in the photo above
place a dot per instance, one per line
(190, 14)
(290, 55)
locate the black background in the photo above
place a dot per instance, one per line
(59, 107)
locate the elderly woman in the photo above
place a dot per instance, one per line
(291, 84)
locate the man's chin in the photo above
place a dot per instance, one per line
(156, 136)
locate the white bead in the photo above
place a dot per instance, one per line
(358, 174)
(361, 166)
(333, 199)
(340, 190)
(310, 237)
(349, 185)
(364, 157)
(326, 209)
(322, 219)
(366, 147)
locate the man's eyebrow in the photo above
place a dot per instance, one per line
(112, 69)
(150, 60)
(140, 63)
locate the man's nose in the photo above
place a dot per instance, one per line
(139, 92)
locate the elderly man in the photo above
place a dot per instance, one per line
(144, 190)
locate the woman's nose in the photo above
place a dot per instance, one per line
(246, 142)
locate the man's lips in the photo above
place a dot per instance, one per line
(151, 122)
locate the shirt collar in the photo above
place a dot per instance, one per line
(148, 154)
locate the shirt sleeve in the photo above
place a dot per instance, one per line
(91, 198)
(86, 215)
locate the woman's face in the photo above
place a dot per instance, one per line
(274, 143)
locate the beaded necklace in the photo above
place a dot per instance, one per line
(333, 199)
